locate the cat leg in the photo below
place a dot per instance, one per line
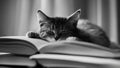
(34, 35)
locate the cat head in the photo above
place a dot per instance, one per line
(57, 27)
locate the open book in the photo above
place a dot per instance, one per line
(20, 45)
(60, 53)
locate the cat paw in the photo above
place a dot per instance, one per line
(32, 34)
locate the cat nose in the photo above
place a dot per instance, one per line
(54, 34)
(57, 36)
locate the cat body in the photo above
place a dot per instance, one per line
(59, 28)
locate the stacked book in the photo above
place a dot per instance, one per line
(21, 51)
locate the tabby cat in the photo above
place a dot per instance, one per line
(71, 27)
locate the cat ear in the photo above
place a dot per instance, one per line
(75, 16)
(41, 16)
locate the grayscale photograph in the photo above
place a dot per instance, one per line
(59, 34)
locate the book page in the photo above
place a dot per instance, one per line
(11, 59)
(79, 48)
(66, 61)
(20, 44)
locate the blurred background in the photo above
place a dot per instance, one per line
(19, 16)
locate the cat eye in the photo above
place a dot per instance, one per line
(42, 24)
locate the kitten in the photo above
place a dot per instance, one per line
(59, 28)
